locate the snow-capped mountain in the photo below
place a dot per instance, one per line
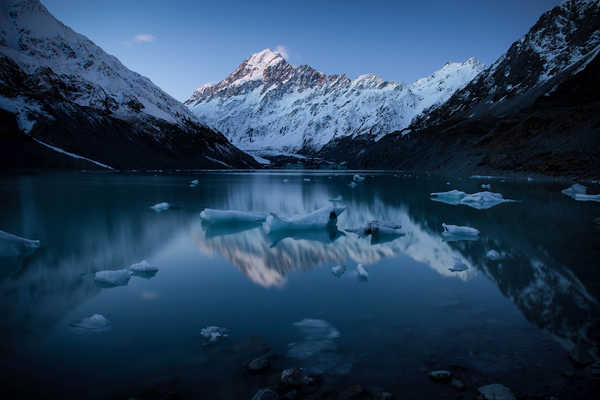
(51, 73)
(561, 43)
(535, 109)
(267, 103)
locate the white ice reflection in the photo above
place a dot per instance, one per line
(266, 258)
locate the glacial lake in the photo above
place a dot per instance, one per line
(510, 317)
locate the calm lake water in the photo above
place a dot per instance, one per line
(510, 320)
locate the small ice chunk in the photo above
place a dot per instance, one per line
(194, 182)
(119, 277)
(13, 245)
(455, 232)
(486, 186)
(448, 183)
(161, 207)
(214, 333)
(95, 324)
(213, 216)
(352, 184)
(459, 266)
(574, 189)
(495, 255)
(286, 180)
(306, 179)
(358, 179)
(382, 228)
(321, 218)
(587, 197)
(143, 267)
(338, 270)
(363, 275)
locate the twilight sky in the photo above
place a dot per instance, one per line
(182, 44)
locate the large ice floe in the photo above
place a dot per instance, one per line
(119, 277)
(322, 218)
(318, 350)
(13, 245)
(212, 216)
(94, 324)
(455, 232)
(579, 192)
(479, 200)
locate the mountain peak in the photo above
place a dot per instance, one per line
(264, 58)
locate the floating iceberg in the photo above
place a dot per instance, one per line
(363, 275)
(161, 207)
(352, 184)
(455, 232)
(119, 277)
(13, 245)
(486, 186)
(495, 255)
(338, 270)
(94, 324)
(459, 266)
(574, 189)
(214, 333)
(358, 179)
(382, 228)
(212, 216)
(579, 192)
(306, 179)
(321, 218)
(587, 197)
(480, 200)
(143, 267)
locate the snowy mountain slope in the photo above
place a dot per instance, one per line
(50, 74)
(536, 109)
(267, 103)
(561, 43)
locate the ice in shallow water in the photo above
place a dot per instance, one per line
(93, 324)
(159, 207)
(214, 333)
(119, 277)
(143, 267)
(362, 273)
(579, 192)
(318, 349)
(338, 270)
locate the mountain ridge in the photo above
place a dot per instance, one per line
(267, 103)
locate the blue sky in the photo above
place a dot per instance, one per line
(184, 43)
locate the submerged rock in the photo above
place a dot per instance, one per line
(352, 392)
(265, 394)
(440, 375)
(294, 377)
(496, 391)
(259, 364)
(457, 384)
